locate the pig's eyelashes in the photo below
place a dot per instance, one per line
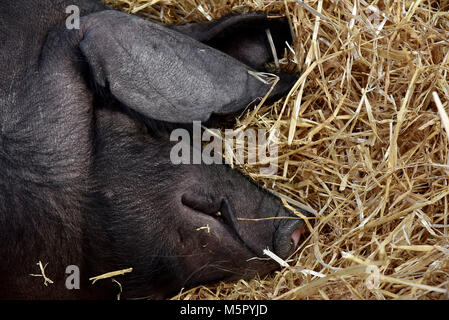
(202, 202)
(205, 204)
(217, 208)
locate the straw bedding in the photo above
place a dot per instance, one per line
(363, 142)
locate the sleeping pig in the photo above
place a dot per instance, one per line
(86, 178)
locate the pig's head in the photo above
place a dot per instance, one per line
(175, 225)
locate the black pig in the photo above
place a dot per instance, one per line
(85, 173)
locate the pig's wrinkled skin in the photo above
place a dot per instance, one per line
(85, 173)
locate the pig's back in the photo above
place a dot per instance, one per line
(24, 25)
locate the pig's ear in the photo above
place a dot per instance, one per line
(164, 74)
(243, 36)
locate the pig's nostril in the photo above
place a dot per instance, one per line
(297, 235)
(288, 236)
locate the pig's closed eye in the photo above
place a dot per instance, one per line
(200, 202)
(206, 204)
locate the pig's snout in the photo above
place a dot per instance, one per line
(237, 219)
(289, 233)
